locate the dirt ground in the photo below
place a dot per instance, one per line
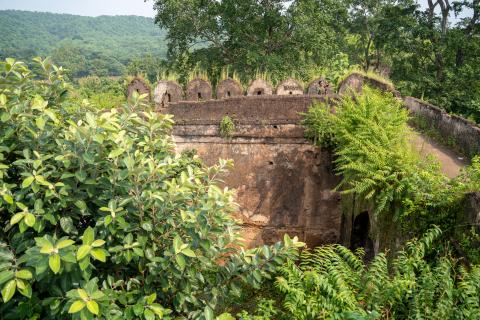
(451, 162)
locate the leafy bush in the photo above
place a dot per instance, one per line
(227, 127)
(102, 220)
(332, 282)
(383, 173)
(371, 140)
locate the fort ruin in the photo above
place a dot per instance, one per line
(285, 184)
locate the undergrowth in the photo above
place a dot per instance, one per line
(332, 282)
(381, 170)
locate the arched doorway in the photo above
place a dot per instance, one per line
(360, 236)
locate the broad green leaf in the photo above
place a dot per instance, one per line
(5, 276)
(81, 175)
(108, 220)
(64, 243)
(54, 262)
(27, 182)
(84, 263)
(69, 257)
(39, 103)
(8, 198)
(98, 243)
(5, 117)
(208, 313)
(177, 244)
(138, 309)
(51, 115)
(90, 119)
(66, 223)
(147, 226)
(180, 261)
(99, 254)
(157, 309)
(29, 219)
(151, 298)
(189, 253)
(97, 295)
(77, 306)
(92, 306)
(89, 158)
(27, 291)
(83, 294)
(83, 251)
(225, 316)
(20, 284)
(88, 236)
(9, 290)
(148, 314)
(24, 274)
(47, 248)
(115, 153)
(138, 252)
(40, 122)
(257, 275)
(17, 218)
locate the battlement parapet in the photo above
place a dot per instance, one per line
(246, 110)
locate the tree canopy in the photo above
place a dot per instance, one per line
(426, 52)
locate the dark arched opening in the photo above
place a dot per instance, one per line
(199, 95)
(361, 235)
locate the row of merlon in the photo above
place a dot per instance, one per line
(198, 89)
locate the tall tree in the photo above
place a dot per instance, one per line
(251, 34)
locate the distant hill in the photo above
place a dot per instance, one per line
(105, 43)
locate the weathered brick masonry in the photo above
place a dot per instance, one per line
(283, 183)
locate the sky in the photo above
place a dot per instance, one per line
(83, 7)
(90, 7)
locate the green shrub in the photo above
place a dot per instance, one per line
(332, 282)
(102, 220)
(381, 170)
(371, 140)
(227, 127)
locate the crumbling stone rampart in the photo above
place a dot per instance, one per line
(284, 184)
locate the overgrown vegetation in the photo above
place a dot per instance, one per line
(227, 127)
(332, 282)
(379, 168)
(100, 219)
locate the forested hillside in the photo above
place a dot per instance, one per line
(102, 45)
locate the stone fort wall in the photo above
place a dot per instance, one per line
(284, 184)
